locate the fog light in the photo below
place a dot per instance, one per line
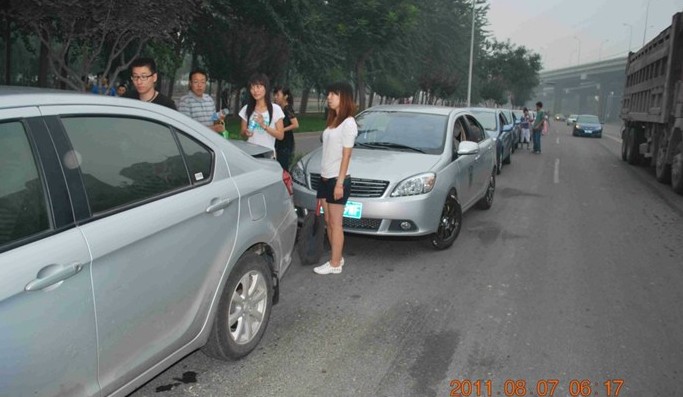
(406, 225)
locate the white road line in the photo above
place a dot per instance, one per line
(556, 177)
(612, 138)
(558, 140)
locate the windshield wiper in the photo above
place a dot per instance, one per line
(390, 145)
(363, 144)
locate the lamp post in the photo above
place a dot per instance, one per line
(469, 78)
(647, 11)
(578, 57)
(630, 34)
(600, 49)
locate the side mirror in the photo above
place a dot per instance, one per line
(468, 148)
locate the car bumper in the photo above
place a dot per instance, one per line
(580, 132)
(384, 216)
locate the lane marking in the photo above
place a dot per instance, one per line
(612, 138)
(556, 177)
(558, 140)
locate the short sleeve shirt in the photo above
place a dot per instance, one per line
(334, 142)
(199, 108)
(261, 137)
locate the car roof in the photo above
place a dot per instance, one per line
(478, 109)
(14, 97)
(409, 108)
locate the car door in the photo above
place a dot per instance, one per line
(161, 228)
(462, 167)
(48, 344)
(486, 158)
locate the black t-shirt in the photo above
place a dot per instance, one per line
(288, 141)
(160, 99)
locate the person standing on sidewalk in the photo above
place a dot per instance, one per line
(143, 72)
(538, 126)
(335, 183)
(525, 124)
(285, 148)
(199, 105)
(261, 118)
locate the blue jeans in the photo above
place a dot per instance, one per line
(537, 140)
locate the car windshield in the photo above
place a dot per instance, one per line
(402, 131)
(572, 116)
(588, 119)
(487, 120)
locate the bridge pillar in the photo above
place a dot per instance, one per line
(558, 91)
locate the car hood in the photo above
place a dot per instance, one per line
(380, 164)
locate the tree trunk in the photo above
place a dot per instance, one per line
(237, 102)
(219, 90)
(303, 105)
(171, 84)
(43, 65)
(372, 98)
(7, 34)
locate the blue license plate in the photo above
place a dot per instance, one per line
(353, 209)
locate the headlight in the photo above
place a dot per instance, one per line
(298, 174)
(418, 184)
(577, 126)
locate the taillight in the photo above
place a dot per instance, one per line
(287, 179)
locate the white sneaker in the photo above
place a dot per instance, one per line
(327, 268)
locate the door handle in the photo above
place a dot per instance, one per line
(217, 206)
(51, 275)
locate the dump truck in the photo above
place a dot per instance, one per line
(652, 106)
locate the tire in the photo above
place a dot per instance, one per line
(499, 164)
(450, 223)
(662, 169)
(249, 292)
(508, 159)
(632, 152)
(677, 170)
(623, 146)
(487, 201)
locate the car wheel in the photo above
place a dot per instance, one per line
(450, 223)
(662, 169)
(677, 170)
(508, 159)
(499, 164)
(487, 201)
(243, 310)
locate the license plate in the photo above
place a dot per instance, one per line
(352, 209)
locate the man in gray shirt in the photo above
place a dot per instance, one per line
(199, 105)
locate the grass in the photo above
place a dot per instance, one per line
(309, 122)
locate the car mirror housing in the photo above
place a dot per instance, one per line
(468, 148)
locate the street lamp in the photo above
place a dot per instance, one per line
(647, 11)
(578, 57)
(630, 34)
(469, 78)
(600, 50)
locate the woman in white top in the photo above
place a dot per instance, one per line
(335, 183)
(261, 119)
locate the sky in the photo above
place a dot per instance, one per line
(570, 32)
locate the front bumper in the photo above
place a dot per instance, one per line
(587, 132)
(384, 216)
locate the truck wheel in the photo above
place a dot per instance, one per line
(624, 134)
(677, 170)
(662, 169)
(632, 152)
(243, 310)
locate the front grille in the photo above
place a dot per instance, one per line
(362, 223)
(365, 188)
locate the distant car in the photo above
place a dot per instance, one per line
(130, 236)
(560, 117)
(571, 119)
(410, 176)
(497, 126)
(587, 125)
(513, 119)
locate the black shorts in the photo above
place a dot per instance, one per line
(326, 190)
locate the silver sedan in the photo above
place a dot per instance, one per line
(414, 171)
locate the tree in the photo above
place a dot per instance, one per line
(510, 70)
(80, 33)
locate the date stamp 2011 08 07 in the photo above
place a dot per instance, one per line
(541, 388)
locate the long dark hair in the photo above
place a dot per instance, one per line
(259, 79)
(347, 108)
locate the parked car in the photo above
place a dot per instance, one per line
(559, 117)
(512, 118)
(411, 175)
(571, 119)
(130, 236)
(497, 126)
(587, 125)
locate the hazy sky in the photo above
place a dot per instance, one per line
(563, 30)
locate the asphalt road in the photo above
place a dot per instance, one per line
(574, 274)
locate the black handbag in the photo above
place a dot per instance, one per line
(312, 237)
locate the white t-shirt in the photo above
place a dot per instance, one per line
(334, 141)
(261, 137)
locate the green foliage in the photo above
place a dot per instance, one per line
(510, 70)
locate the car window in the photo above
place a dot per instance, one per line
(487, 119)
(198, 157)
(588, 119)
(23, 208)
(474, 129)
(401, 130)
(125, 160)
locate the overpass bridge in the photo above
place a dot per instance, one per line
(593, 88)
